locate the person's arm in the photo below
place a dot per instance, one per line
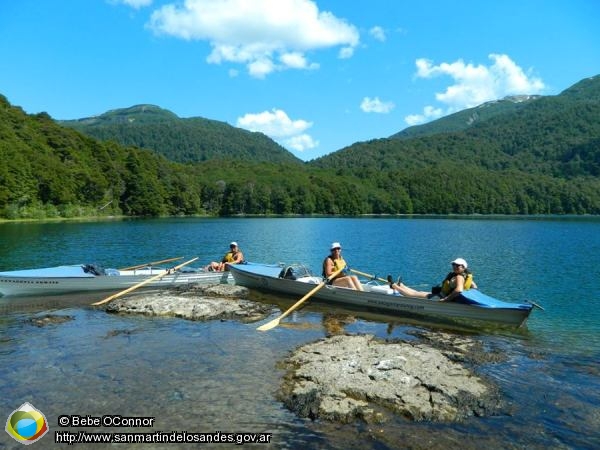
(460, 284)
(239, 257)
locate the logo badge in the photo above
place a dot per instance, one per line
(26, 424)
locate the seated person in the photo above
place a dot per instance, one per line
(233, 256)
(460, 279)
(335, 262)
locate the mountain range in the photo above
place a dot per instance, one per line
(519, 155)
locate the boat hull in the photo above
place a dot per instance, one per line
(266, 278)
(67, 279)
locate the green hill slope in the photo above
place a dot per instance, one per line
(555, 136)
(585, 90)
(182, 140)
(467, 118)
(541, 157)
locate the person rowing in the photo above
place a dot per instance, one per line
(334, 262)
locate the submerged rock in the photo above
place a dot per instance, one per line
(49, 319)
(210, 302)
(343, 378)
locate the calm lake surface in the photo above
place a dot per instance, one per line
(223, 376)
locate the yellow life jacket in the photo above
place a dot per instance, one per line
(448, 286)
(229, 257)
(468, 282)
(338, 264)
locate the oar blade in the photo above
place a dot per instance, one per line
(269, 325)
(273, 323)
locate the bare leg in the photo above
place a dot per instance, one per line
(357, 283)
(212, 267)
(346, 282)
(408, 291)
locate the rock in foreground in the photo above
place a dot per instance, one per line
(343, 378)
(212, 302)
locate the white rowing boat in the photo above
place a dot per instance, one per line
(87, 277)
(471, 304)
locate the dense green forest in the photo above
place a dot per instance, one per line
(183, 140)
(539, 157)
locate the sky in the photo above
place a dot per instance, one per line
(314, 75)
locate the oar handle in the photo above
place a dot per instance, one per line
(372, 277)
(149, 280)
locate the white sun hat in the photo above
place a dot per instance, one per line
(460, 262)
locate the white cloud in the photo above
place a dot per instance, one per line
(296, 60)
(378, 33)
(278, 126)
(136, 4)
(429, 113)
(369, 105)
(474, 85)
(265, 35)
(301, 143)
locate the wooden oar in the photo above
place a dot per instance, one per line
(139, 266)
(149, 280)
(372, 277)
(273, 323)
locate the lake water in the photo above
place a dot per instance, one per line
(222, 376)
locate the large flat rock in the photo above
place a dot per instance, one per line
(211, 302)
(344, 378)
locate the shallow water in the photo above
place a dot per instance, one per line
(223, 376)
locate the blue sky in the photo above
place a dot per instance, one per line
(315, 75)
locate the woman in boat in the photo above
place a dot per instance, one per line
(334, 262)
(460, 279)
(233, 256)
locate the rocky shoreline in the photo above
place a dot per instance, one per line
(342, 377)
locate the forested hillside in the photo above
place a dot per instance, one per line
(541, 158)
(182, 140)
(544, 157)
(47, 171)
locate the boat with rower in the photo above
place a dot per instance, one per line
(297, 280)
(91, 277)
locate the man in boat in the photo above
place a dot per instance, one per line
(233, 256)
(334, 262)
(458, 280)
